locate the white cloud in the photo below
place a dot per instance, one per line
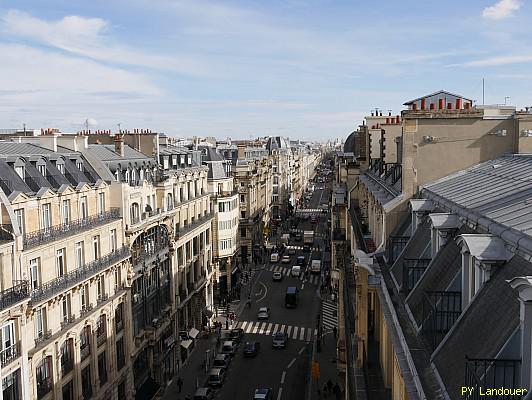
(499, 60)
(502, 9)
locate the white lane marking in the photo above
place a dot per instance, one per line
(291, 363)
(288, 330)
(275, 328)
(302, 334)
(294, 336)
(279, 394)
(256, 328)
(244, 325)
(315, 332)
(265, 291)
(282, 328)
(249, 328)
(262, 328)
(269, 329)
(301, 350)
(282, 377)
(302, 286)
(309, 334)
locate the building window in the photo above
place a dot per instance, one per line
(86, 385)
(118, 279)
(243, 232)
(46, 216)
(66, 212)
(84, 342)
(60, 261)
(19, 215)
(242, 214)
(20, 171)
(101, 287)
(67, 356)
(43, 376)
(79, 165)
(96, 251)
(84, 297)
(83, 212)
(120, 354)
(114, 241)
(40, 322)
(9, 350)
(119, 317)
(242, 198)
(42, 169)
(102, 368)
(61, 167)
(35, 273)
(101, 203)
(80, 254)
(65, 308)
(101, 332)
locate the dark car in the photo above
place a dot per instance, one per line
(236, 335)
(299, 237)
(279, 340)
(251, 349)
(300, 261)
(306, 248)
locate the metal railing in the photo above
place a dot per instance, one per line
(102, 298)
(139, 256)
(491, 373)
(186, 229)
(44, 387)
(43, 337)
(85, 351)
(69, 321)
(6, 232)
(10, 354)
(397, 244)
(67, 366)
(412, 270)
(119, 325)
(61, 284)
(18, 292)
(46, 235)
(101, 339)
(86, 309)
(440, 310)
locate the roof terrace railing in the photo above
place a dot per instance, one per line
(492, 373)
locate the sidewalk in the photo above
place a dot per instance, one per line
(327, 362)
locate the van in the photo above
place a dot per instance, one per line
(291, 297)
(229, 347)
(274, 258)
(216, 377)
(221, 361)
(296, 270)
(315, 266)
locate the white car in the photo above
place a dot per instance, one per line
(296, 270)
(264, 313)
(277, 276)
(286, 260)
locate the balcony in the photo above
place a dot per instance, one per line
(43, 337)
(412, 271)
(86, 309)
(85, 352)
(56, 232)
(67, 322)
(193, 225)
(102, 299)
(143, 254)
(101, 339)
(10, 354)
(440, 310)
(491, 373)
(62, 284)
(15, 294)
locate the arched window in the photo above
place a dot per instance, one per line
(169, 201)
(135, 213)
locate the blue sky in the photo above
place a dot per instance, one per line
(308, 69)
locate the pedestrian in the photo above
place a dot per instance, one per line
(226, 324)
(179, 383)
(337, 392)
(330, 385)
(334, 331)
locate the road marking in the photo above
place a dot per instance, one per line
(302, 334)
(269, 329)
(262, 327)
(244, 325)
(282, 328)
(302, 285)
(288, 330)
(282, 377)
(279, 394)
(301, 350)
(315, 332)
(295, 332)
(275, 328)
(265, 291)
(309, 334)
(291, 363)
(256, 328)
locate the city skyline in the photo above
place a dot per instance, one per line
(303, 69)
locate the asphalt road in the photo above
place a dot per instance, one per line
(285, 371)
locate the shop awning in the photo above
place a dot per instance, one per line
(193, 333)
(186, 343)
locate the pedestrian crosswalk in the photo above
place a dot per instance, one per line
(221, 311)
(329, 311)
(314, 279)
(300, 248)
(316, 234)
(271, 328)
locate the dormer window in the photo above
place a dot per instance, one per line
(42, 169)
(79, 165)
(61, 167)
(20, 171)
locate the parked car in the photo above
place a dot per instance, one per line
(264, 313)
(286, 259)
(236, 335)
(203, 393)
(277, 276)
(262, 394)
(274, 257)
(279, 340)
(251, 349)
(229, 347)
(216, 377)
(221, 361)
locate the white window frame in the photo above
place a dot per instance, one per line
(65, 211)
(80, 254)
(114, 240)
(101, 203)
(61, 262)
(46, 216)
(96, 248)
(83, 208)
(35, 275)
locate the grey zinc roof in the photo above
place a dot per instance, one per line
(496, 194)
(382, 193)
(212, 155)
(22, 149)
(106, 152)
(216, 171)
(484, 327)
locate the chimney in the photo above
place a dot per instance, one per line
(241, 151)
(414, 106)
(119, 144)
(449, 106)
(423, 104)
(440, 104)
(458, 104)
(432, 106)
(397, 119)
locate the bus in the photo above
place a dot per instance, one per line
(291, 297)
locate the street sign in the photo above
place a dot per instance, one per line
(315, 370)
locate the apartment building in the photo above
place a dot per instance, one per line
(281, 155)
(226, 206)
(442, 134)
(64, 276)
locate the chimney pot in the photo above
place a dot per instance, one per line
(432, 106)
(423, 104)
(441, 104)
(449, 106)
(458, 104)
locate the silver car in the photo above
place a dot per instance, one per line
(264, 313)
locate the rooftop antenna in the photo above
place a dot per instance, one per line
(483, 92)
(87, 124)
(506, 98)
(24, 127)
(119, 127)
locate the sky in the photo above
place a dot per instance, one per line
(304, 69)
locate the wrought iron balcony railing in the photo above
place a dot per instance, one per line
(101, 339)
(186, 229)
(140, 255)
(43, 337)
(44, 387)
(61, 284)
(85, 352)
(10, 354)
(46, 235)
(18, 292)
(440, 310)
(492, 373)
(412, 271)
